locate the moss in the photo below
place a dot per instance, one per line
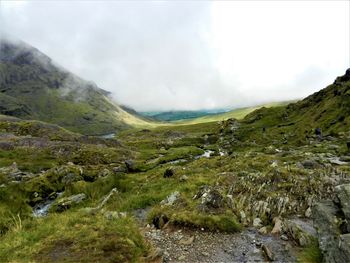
(226, 222)
(310, 254)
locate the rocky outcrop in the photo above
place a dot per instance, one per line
(210, 198)
(331, 222)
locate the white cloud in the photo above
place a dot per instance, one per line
(191, 55)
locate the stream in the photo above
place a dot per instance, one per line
(42, 209)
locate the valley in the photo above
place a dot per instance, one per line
(227, 191)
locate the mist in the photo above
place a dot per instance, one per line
(190, 55)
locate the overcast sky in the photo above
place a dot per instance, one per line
(190, 55)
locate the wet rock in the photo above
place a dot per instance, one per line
(171, 199)
(169, 172)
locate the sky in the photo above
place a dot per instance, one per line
(190, 55)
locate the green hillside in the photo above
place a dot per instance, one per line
(32, 86)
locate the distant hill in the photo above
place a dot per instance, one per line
(180, 115)
(32, 86)
(236, 113)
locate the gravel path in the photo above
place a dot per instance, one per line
(185, 245)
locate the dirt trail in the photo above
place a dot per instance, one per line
(184, 245)
(195, 245)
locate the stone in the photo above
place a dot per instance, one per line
(130, 166)
(310, 164)
(284, 238)
(257, 222)
(308, 212)
(343, 195)
(67, 202)
(187, 242)
(210, 197)
(277, 228)
(294, 231)
(119, 169)
(169, 172)
(71, 178)
(268, 252)
(243, 217)
(171, 199)
(183, 178)
(263, 230)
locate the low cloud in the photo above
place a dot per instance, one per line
(190, 55)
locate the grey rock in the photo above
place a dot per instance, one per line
(294, 231)
(268, 252)
(310, 164)
(343, 194)
(171, 199)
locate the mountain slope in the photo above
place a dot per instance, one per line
(327, 109)
(32, 86)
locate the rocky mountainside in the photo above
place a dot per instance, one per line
(32, 86)
(274, 186)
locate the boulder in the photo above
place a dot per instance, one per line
(210, 197)
(171, 199)
(295, 232)
(169, 172)
(310, 164)
(130, 166)
(277, 229)
(328, 232)
(343, 195)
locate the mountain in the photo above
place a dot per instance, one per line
(327, 110)
(32, 86)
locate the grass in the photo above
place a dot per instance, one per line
(236, 114)
(74, 237)
(310, 254)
